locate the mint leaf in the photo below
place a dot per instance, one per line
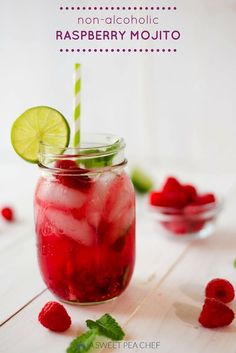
(235, 263)
(107, 326)
(83, 343)
(92, 324)
(100, 161)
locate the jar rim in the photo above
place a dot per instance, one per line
(95, 148)
(89, 136)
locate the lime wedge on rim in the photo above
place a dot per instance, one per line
(35, 125)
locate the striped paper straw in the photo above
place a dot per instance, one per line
(77, 103)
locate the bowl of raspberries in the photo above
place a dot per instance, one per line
(183, 211)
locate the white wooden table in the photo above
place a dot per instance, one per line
(161, 305)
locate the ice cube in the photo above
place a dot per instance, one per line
(39, 213)
(97, 198)
(120, 197)
(121, 226)
(59, 195)
(78, 230)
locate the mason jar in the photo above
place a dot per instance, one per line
(85, 220)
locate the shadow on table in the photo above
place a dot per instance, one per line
(136, 293)
(193, 291)
(222, 238)
(187, 313)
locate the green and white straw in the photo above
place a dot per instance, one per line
(77, 104)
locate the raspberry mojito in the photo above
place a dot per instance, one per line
(84, 207)
(85, 220)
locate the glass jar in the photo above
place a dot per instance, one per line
(85, 220)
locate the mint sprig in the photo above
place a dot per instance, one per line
(105, 326)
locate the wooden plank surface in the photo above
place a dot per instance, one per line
(19, 276)
(150, 268)
(162, 303)
(170, 313)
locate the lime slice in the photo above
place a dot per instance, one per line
(141, 181)
(35, 125)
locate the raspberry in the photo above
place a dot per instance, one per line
(175, 199)
(192, 209)
(156, 198)
(204, 199)
(172, 199)
(74, 177)
(220, 289)
(196, 226)
(191, 192)
(172, 184)
(7, 214)
(66, 164)
(177, 227)
(215, 314)
(54, 317)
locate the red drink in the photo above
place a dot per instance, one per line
(85, 225)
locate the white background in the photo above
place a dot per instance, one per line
(173, 109)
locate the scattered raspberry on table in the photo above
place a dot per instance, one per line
(220, 289)
(54, 317)
(215, 314)
(7, 213)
